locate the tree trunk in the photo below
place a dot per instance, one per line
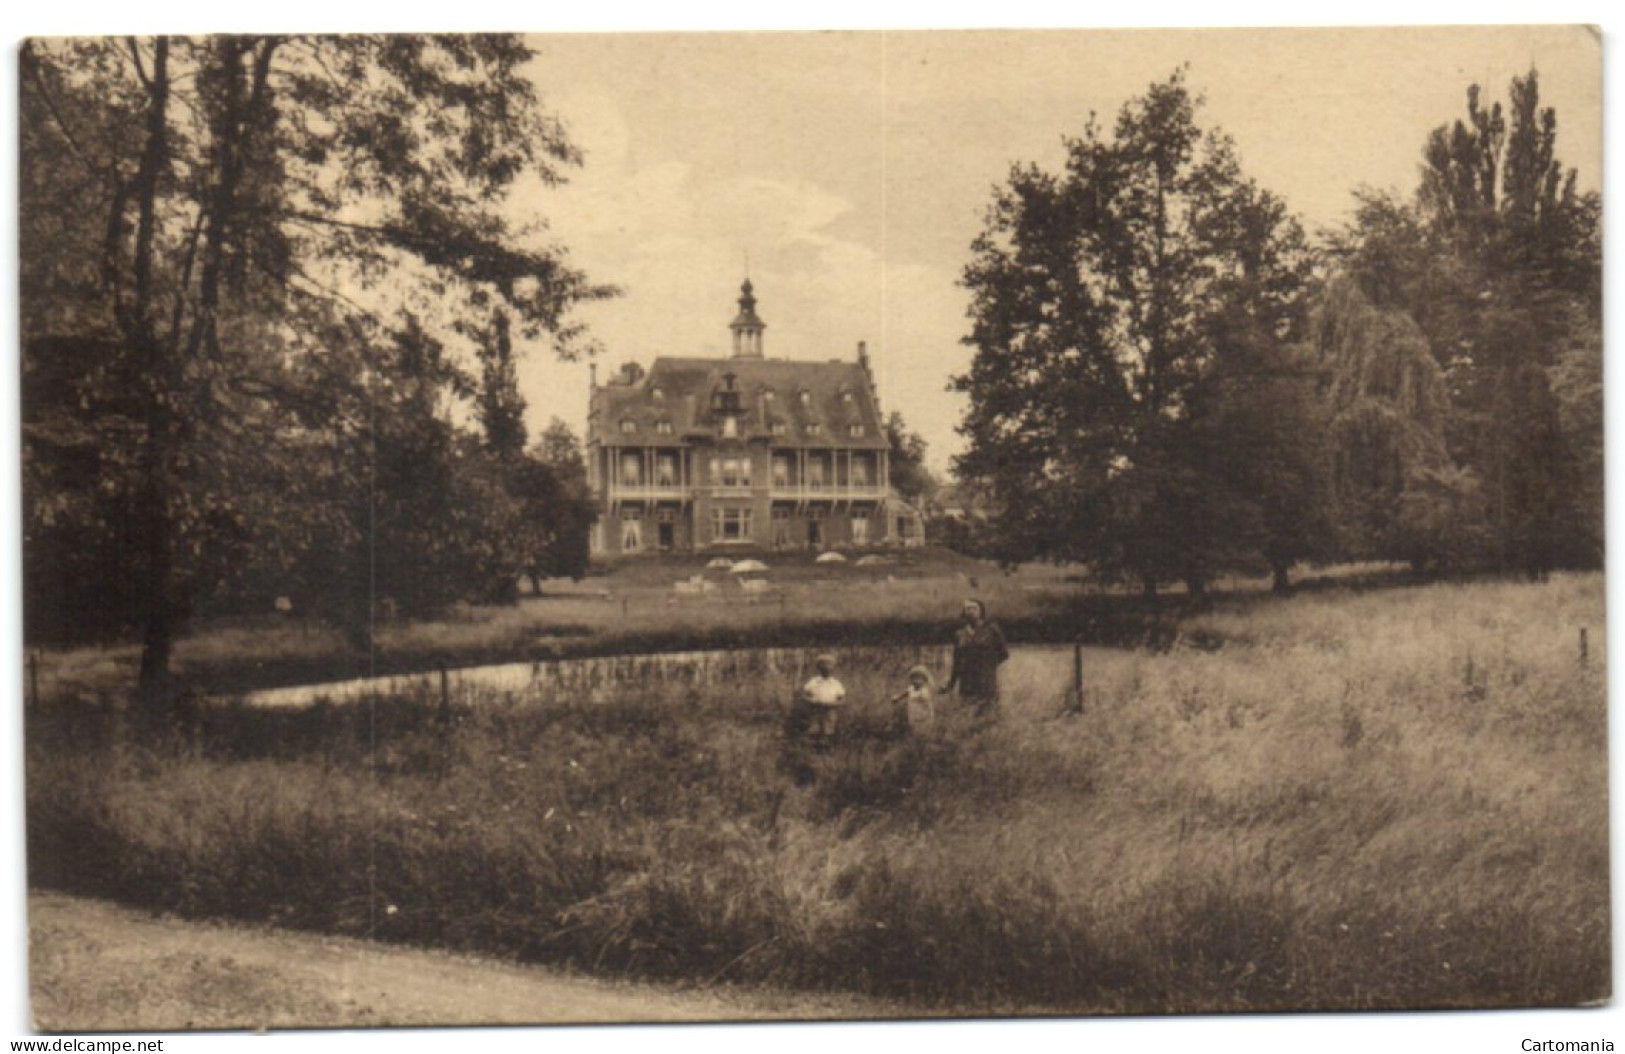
(137, 320)
(156, 686)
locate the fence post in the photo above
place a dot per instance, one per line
(1074, 700)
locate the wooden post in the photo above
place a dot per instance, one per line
(1074, 698)
(1584, 649)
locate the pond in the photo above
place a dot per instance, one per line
(1044, 669)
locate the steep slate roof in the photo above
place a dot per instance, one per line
(687, 384)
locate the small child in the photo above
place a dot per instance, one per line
(825, 695)
(916, 710)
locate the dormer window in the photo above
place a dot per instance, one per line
(730, 427)
(814, 429)
(805, 396)
(768, 394)
(846, 396)
(663, 427)
(777, 428)
(856, 431)
(657, 393)
(628, 425)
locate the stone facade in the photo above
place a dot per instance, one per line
(745, 452)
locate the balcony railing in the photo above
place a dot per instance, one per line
(778, 490)
(620, 489)
(808, 491)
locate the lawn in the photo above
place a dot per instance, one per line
(633, 607)
(1338, 800)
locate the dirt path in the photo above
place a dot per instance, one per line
(98, 966)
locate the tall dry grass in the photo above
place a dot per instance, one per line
(1391, 799)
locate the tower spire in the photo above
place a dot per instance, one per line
(747, 328)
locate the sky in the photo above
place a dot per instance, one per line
(852, 169)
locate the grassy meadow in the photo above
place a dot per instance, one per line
(1342, 800)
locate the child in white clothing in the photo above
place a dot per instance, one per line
(825, 695)
(916, 711)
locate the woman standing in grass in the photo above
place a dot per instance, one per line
(979, 650)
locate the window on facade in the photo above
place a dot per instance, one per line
(730, 525)
(666, 470)
(730, 426)
(860, 472)
(860, 526)
(631, 531)
(628, 425)
(781, 472)
(631, 469)
(663, 427)
(735, 472)
(815, 472)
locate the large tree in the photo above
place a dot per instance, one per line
(910, 477)
(560, 506)
(1121, 308)
(1498, 261)
(203, 215)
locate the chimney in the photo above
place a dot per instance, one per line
(868, 371)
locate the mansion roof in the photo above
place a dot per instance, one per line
(813, 404)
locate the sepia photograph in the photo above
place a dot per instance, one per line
(862, 525)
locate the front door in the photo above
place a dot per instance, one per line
(815, 533)
(668, 536)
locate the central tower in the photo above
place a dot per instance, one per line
(746, 326)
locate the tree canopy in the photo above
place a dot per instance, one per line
(1168, 382)
(1121, 308)
(245, 260)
